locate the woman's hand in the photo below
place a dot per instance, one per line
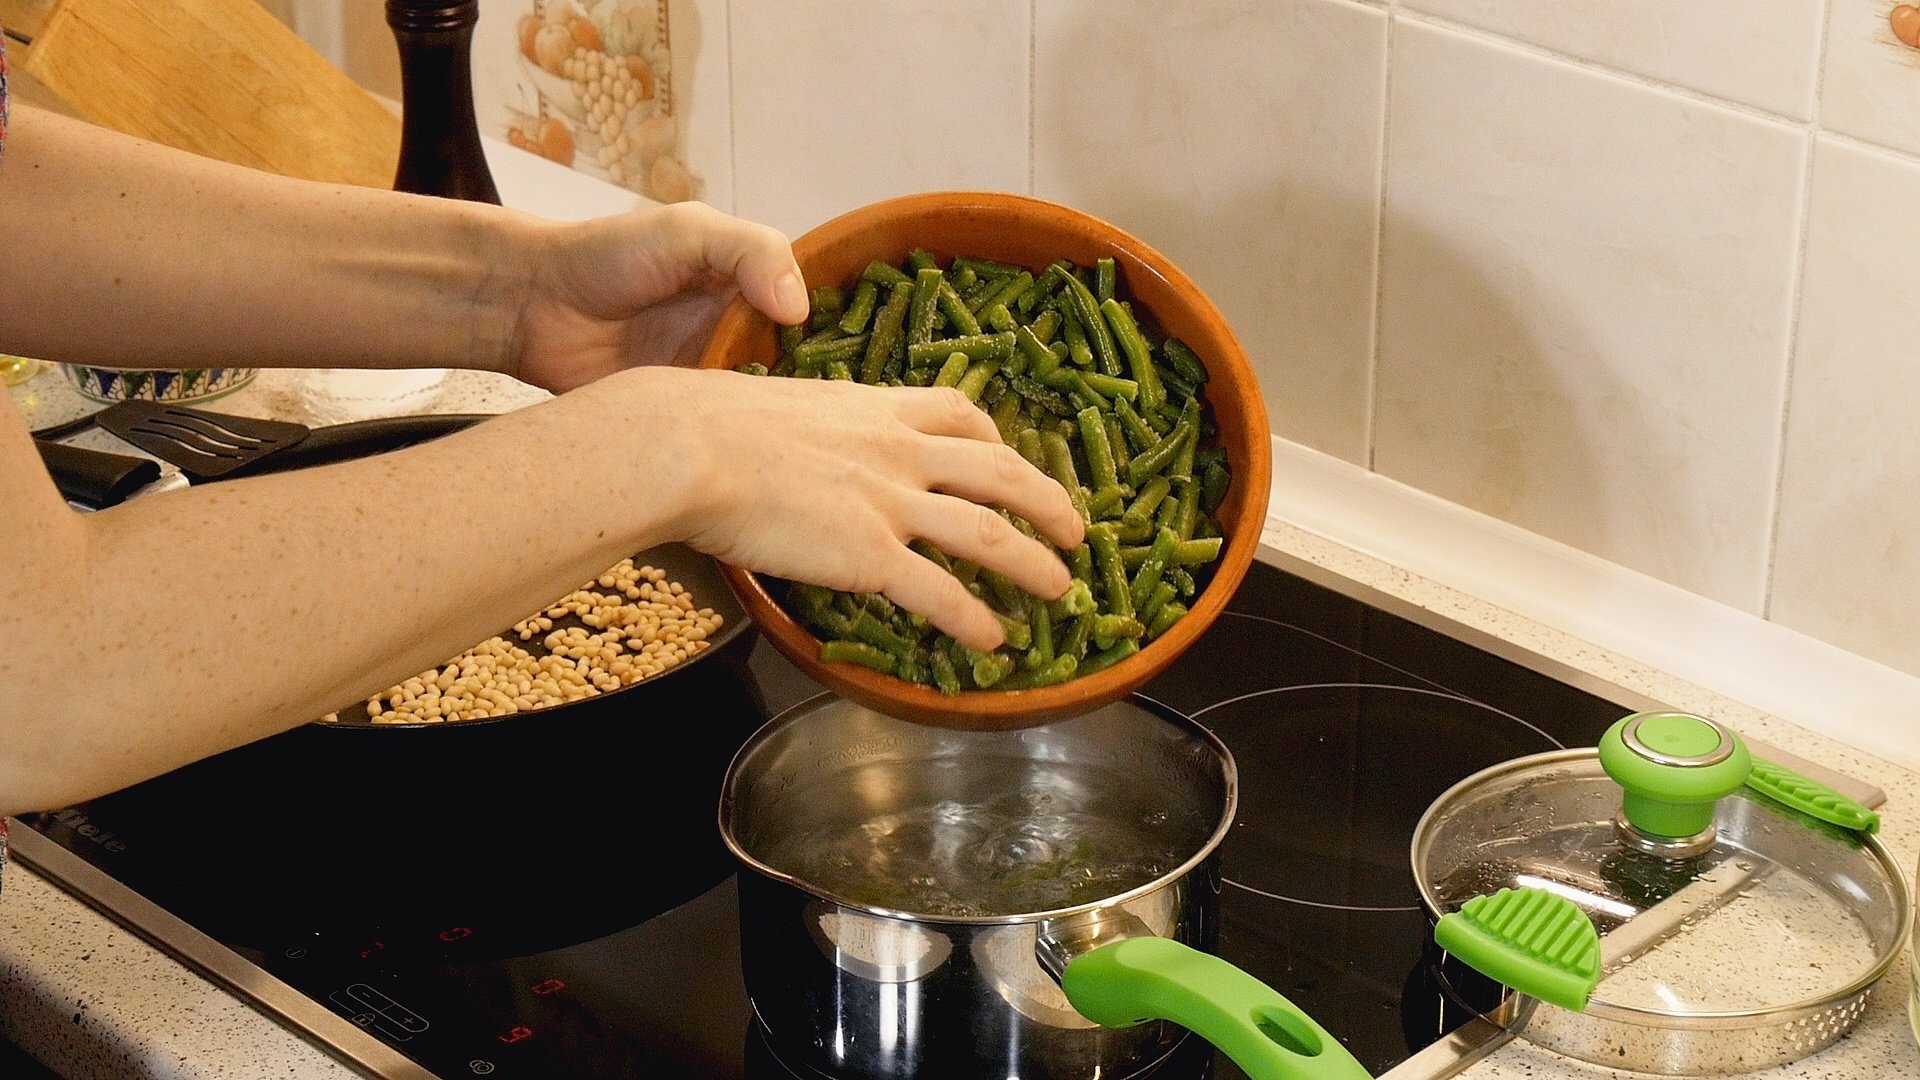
(645, 287)
(826, 482)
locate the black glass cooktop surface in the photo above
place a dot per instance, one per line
(577, 930)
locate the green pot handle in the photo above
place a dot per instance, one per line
(1154, 978)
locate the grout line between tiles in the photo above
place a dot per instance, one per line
(1598, 68)
(733, 127)
(1370, 421)
(1033, 79)
(1796, 293)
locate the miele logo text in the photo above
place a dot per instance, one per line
(77, 821)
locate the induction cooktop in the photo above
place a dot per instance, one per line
(1347, 714)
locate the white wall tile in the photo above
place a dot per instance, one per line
(1759, 52)
(1871, 85)
(1847, 568)
(838, 103)
(684, 122)
(1585, 294)
(1242, 139)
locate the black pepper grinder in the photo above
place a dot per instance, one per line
(440, 151)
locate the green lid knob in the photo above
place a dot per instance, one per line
(1674, 767)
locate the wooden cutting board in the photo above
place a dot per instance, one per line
(222, 78)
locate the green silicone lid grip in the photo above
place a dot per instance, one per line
(1538, 943)
(1154, 978)
(1809, 796)
(1673, 767)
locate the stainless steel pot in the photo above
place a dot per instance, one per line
(1106, 984)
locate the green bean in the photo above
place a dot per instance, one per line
(752, 369)
(1113, 576)
(921, 259)
(884, 274)
(1006, 412)
(1183, 582)
(1004, 291)
(989, 668)
(1107, 503)
(1137, 523)
(1047, 325)
(1099, 338)
(1019, 634)
(1032, 349)
(1141, 437)
(858, 652)
(1156, 459)
(1213, 487)
(1078, 352)
(877, 634)
(932, 554)
(1154, 567)
(1188, 515)
(963, 280)
(1109, 656)
(1108, 629)
(951, 371)
(837, 369)
(1080, 562)
(1109, 386)
(1181, 467)
(966, 570)
(1172, 613)
(1042, 395)
(1073, 644)
(1183, 361)
(861, 308)
(813, 355)
(1133, 555)
(1040, 653)
(1162, 595)
(1139, 358)
(1053, 674)
(1196, 552)
(1178, 389)
(1103, 279)
(1059, 458)
(888, 323)
(1093, 440)
(974, 382)
(998, 318)
(972, 346)
(1028, 443)
(1117, 442)
(985, 267)
(828, 298)
(922, 309)
(955, 309)
(944, 677)
(922, 376)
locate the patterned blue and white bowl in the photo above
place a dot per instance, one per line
(108, 385)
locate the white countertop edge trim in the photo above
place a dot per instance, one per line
(1739, 655)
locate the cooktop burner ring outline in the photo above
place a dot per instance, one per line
(1432, 689)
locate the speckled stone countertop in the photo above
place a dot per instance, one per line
(92, 1000)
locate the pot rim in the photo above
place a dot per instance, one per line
(1166, 713)
(1663, 1018)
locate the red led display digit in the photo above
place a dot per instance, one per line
(371, 949)
(548, 986)
(455, 933)
(515, 1034)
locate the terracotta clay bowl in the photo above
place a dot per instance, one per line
(1030, 232)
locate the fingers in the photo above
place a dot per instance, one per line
(996, 473)
(968, 530)
(942, 411)
(755, 256)
(919, 585)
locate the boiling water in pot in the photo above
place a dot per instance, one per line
(1061, 834)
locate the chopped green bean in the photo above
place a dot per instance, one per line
(985, 267)
(888, 323)
(1162, 595)
(1113, 576)
(884, 274)
(1109, 656)
(972, 346)
(1196, 552)
(861, 308)
(827, 298)
(1103, 279)
(813, 355)
(1183, 361)
(922, 309)
(1153, 567)
(858, 652)
(1213, 487)
(922, 259)
(1156, 459)
(944, 677)
(1139, 358)
(1172, 613)
(1087, 311)
(1053, 674)
(955, 309)
(951, 371)
(1059, 458)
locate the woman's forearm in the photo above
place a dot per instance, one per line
(125, 253)
(173, 627)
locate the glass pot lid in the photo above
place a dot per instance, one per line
(1665, 872)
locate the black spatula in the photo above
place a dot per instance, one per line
(205, 445)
